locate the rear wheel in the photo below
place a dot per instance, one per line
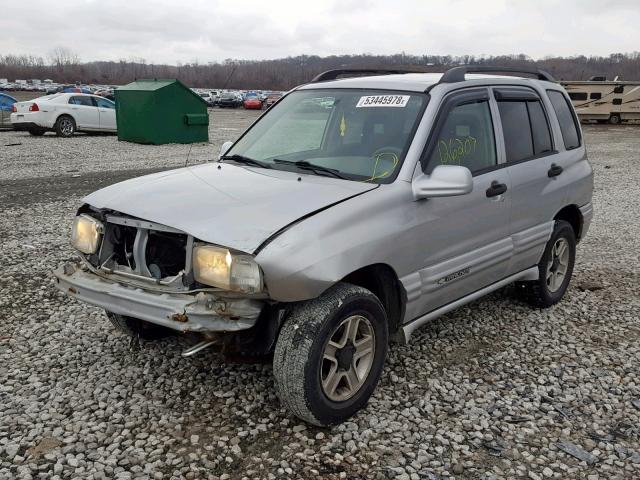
(135, 327)
(615, 119)
(36, 132)
(555, 268)
(330, 354)
(65, 126)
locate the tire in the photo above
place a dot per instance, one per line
(543, 293)
(615, 119)
(303, 373)
(65, 126)
(133, 327)
(37, 132)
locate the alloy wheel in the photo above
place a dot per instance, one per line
(348, 357)
(558, 265)
(66, 126)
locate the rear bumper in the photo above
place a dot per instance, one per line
(587, 215)
(182, 312)
(24, 126)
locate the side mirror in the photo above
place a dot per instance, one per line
(224, 149)
(444, 181)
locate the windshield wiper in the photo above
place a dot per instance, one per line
(246, 160)
(304, 165)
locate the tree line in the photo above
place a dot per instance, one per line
(64, 66)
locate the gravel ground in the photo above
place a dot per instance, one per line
(492, 390)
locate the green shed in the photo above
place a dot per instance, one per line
(160, 111)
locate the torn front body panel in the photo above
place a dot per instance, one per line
(185, 312)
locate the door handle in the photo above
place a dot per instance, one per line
(496, 189)
(555, 170)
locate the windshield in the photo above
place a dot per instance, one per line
(362, 135)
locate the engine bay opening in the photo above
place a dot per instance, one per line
(118, 243)
(165, 253)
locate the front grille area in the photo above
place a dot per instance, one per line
(165, 253)
(121, 239)
(146, 249)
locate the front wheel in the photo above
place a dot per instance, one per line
(135, 327)
(330, 354)
(555, 268)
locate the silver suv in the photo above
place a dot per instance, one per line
(352, 212)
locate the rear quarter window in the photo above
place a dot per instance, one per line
(566, 119)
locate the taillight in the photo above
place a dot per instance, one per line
(13, 108)
(34, 107)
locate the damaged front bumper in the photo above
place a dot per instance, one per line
(185, 312)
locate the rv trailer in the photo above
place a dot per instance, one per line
(605, 101)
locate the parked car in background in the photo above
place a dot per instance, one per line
(65, 114)
(272, 98)
(253, 103)
(6, 104)
(215, 97)
(75, 89)
(229, 100)
(206, 96)
(106, 93)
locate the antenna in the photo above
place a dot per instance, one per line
(189, 153)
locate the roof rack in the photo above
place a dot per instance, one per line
(457, 74)
(355, 72)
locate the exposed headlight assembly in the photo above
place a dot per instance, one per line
(86, 233)
(220, 268)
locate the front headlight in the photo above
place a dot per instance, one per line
(85, 234)
(220, 268)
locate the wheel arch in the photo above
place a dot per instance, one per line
(382, 280)
(572, 215)
(66, 114)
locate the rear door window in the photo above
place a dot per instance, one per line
(539, 129)
(104, 103)
(518, 141)
(566, 118)
(82, 100)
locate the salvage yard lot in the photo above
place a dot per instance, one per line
(488, 391)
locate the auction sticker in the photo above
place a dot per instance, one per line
(383, 101)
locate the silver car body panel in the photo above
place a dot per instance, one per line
(309, 234)
(234, 206)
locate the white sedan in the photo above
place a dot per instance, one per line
(65, 114)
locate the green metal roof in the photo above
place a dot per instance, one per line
(147, 85)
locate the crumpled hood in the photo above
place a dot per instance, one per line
(225, 204)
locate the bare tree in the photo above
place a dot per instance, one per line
(61, 57)
(279, 74)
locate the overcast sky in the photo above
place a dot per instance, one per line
(170, 31)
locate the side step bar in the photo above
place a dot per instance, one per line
(406, 330)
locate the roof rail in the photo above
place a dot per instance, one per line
(457, 74)
(355, 72)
